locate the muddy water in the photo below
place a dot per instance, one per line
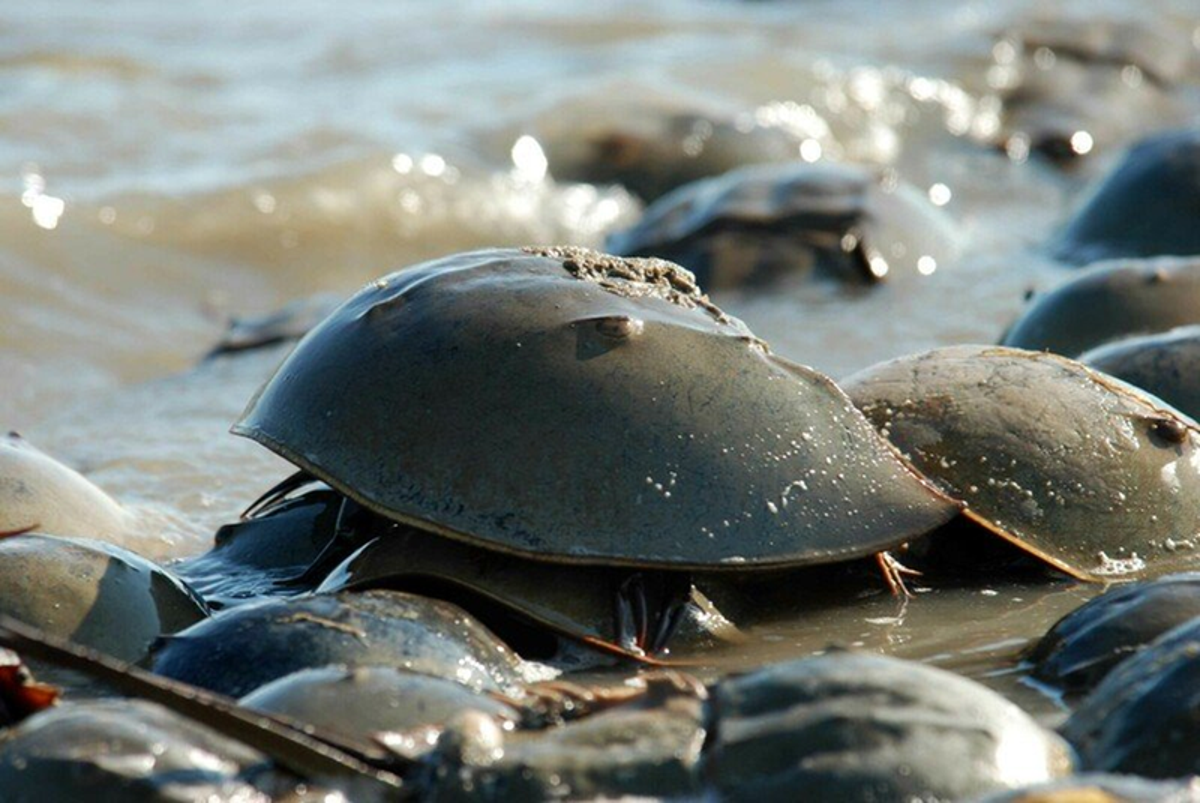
(170, 167)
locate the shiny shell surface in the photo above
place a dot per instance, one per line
(93, 593)
(1079, 469)
(254, 553)
(1087, 643)
(108, 751)
(1147, 206)
(849, 726)
(358, 703)
(38, 492)
(242, 649)
(765, 222)
(1166, 365)
(570, 406)
(1144, 717)
(1109, 301)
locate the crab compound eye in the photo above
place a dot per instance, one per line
(619, 327)
(1168, 430)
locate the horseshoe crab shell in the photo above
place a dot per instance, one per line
(577, 602)
(651, 147)
(1147, 206)
(1144, 717)
(93, 593)
(38, 492)
(1162, 364)
(361, 701)
(764, 222)
(861, 727)
(648, 748)
(570, 406)
(1075, 467)
(244, 648)
(1108, 301)
(119, 750)
(1086, 644)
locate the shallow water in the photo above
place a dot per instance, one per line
(169, 167)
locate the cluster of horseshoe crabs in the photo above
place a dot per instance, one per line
(587, 446)
(559, 412)
(586, 442)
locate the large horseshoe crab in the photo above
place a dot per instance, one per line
(1072, 466)
(569, 407)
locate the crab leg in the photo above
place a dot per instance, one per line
(277, 494)
(893, 574)
(650, 609)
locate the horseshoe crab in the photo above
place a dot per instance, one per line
(1087, 643)
(1042, 450)
(93, 593)
(651, 746)
(762, 223)
(361, 702)
(1162, 364)
(1144, 717)
(39, 493)
(851, 726)
(401, 557)
(1080, 85)
(1147, 206)
(651, 146)
(110, 751)
(288, 323)
(242, 649)
(1108, 301)
(570, 407)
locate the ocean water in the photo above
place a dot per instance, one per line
(166, 167)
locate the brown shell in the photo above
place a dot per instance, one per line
(570, 406)
(1073, 466)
